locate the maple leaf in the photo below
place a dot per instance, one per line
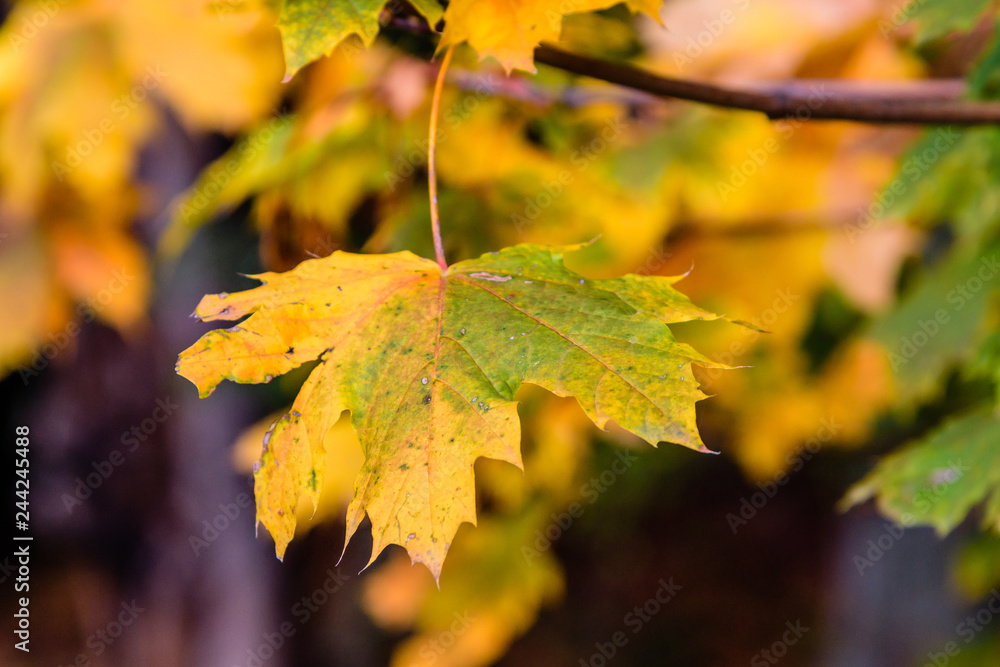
(428, 363)
(509, 30)
(311, 29)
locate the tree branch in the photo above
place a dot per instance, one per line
(919, 102)
(803, 99)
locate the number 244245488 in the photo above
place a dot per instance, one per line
(22, 443)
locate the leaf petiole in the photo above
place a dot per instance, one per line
(431, 162)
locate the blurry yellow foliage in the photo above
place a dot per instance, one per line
(77, 121)
(777, 403)
(791, 414)
(490, 595)
(223, 74)
(83, 87)
(27, 289)
(554, 197)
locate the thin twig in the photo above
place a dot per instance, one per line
(432, 185)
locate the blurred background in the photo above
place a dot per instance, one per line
(150, 154)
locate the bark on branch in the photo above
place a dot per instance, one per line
(917, 103)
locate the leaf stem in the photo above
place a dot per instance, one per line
(432, 160)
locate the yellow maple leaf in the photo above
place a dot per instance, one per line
(428, 362)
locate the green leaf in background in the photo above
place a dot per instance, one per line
(985, 363)
(949, 176)
(311, 29)
(939, 479)
(984, 80)
(939, 322)
(937, 18)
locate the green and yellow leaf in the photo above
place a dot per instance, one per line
(428, 362)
